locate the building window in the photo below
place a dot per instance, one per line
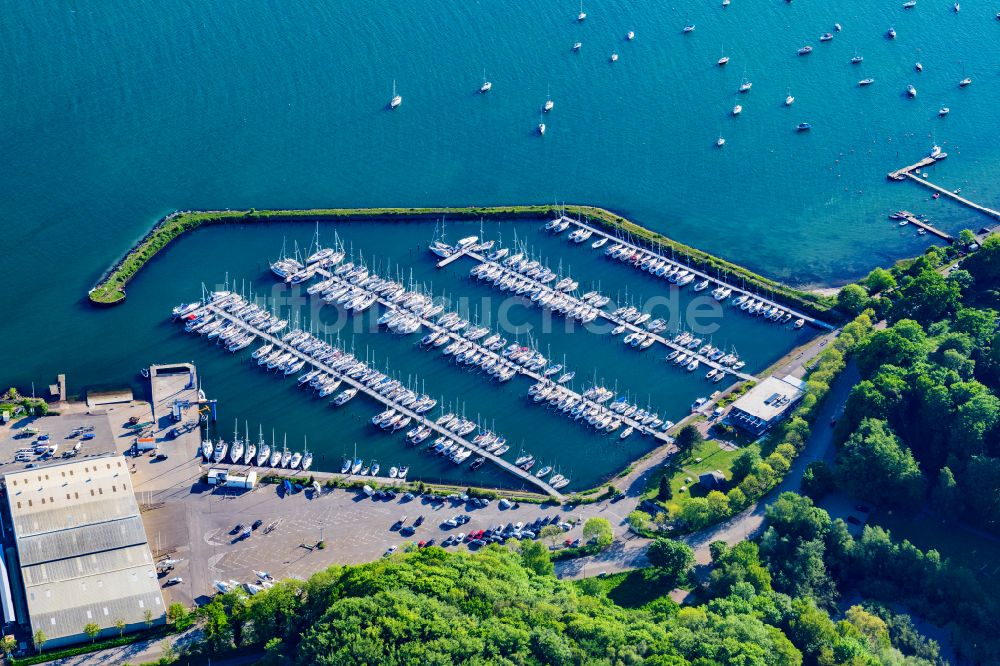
(105, 610)
(90, 616)
(91, 492)
(141, 605)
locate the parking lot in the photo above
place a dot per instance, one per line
(194, 524)
(197, 527)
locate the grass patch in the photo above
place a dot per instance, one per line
(629, 589)
(712, 458)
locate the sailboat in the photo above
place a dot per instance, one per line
(720, 142)
(548, 102)
(541, 126)
(582, 15)
(263, 452)
(251, 451)
(723, 59)
(396, 99)
(789, 100)
(487, 85)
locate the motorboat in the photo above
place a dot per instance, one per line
(789, 100)
(964, 82)
(688, 28)
(909, 4)
(944, 111)
(856, 60)
(891, 33)
(630, 35)
(805, 50)
(576, 47)
(918, 66)
(826, 36)
(745, 86)
(723, 60)
(582, 15)
(737, 110)
(614, 57)
(866, 82)
(548, 106)
(911, 91)
(802, 127)
(720, 142)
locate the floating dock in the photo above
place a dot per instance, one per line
(616, 320)
(736, 290)
(901, 174)
(521, 370)
(920, 224)
(418, 419)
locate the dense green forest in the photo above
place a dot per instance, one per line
(922, 428)
(773, 605)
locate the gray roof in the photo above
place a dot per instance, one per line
(770, 398)
(82, 547)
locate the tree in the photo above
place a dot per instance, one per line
(875, 464)
(966, 237)
(671, 559)
(927, 298)
(176, 614)
(147, 617)
(880, 280)
(598, 530)
(550, 533)
(745, 462)
(817, 480)
(535, 557)
(120, 626)
(639, 521)
(91, 630)
(984, 265)
(7, 645)
(687, 439)
(39, 640)
(664, 492)
(852, 299)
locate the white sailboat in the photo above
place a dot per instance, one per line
(396, 99)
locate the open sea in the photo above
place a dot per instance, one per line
(114, 114)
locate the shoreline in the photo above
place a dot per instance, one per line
(110, 288)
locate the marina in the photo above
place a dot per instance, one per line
(541, 288)
(416, 417)
(388, 334)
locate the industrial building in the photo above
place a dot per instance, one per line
(760, 408)
(82, 550)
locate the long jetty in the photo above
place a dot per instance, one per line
(705, 276)
(520, 369)
(920, 224)
(617, 321)
(378, 397)
(955, 197)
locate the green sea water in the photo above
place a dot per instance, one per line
(116, 113)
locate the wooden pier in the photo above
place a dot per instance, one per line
(901, 174)
(418, 419)
(920, 224)
(520, 369)
(704, 276)
(618, 321)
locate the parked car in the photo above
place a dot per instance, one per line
(419, 521)
(257, 523)
(389, 551)
(173, 581)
